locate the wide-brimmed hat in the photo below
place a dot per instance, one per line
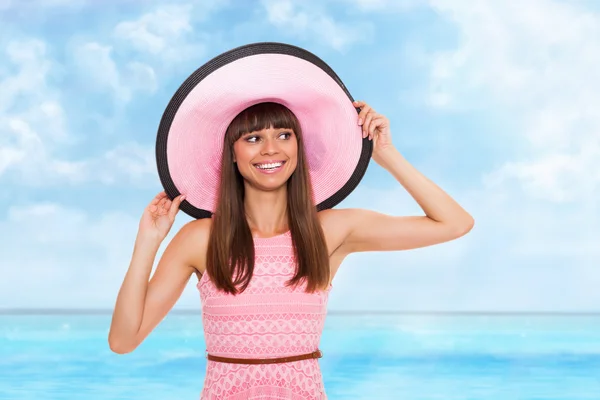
(191, 133)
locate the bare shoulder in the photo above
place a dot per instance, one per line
(193, 240)
(335, 227)
(338, 220)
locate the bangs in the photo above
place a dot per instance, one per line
(262, 116)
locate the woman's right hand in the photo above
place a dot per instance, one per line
(159, 216)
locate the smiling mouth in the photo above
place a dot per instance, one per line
(269, 167)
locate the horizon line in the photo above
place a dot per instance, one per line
(106, 311)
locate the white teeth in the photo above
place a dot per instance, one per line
(269, 166)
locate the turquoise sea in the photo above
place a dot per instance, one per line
(392, 356)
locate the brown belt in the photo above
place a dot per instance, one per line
(314, 354)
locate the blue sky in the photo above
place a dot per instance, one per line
(495, 101)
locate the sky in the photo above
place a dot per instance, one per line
(494, 101)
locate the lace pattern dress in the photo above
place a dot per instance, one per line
(267, 320)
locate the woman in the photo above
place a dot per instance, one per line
(266, 259)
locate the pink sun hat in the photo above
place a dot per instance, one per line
(192, 130)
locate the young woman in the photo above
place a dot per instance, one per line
(266, 258)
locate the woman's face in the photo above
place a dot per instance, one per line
(266, 159)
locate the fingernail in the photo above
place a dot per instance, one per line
(360, 121)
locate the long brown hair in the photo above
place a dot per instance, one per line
(230, 256)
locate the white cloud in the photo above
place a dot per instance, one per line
(166, 33)
(35, 125)
(557, 177)
(10, 156)
(60, 257)
(306, 19)
(31, 115)
(96, 65)
(140, 77)
(29, 57)
(155, 32)
(42, 4)
(98, 69)
(61, 3)
(129, 162)
(161, 39)
(380, 5)
(537, 62)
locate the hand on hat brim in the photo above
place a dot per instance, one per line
(158, 217)
(375, 126)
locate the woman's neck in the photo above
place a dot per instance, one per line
(266, 211)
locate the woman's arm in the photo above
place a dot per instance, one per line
(366, 230)
(140, 304)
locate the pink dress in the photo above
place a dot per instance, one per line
(267, 320)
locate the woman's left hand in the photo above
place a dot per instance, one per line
(374, 126)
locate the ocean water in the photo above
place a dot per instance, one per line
(495, 357)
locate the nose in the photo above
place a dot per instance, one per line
(269, 147)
